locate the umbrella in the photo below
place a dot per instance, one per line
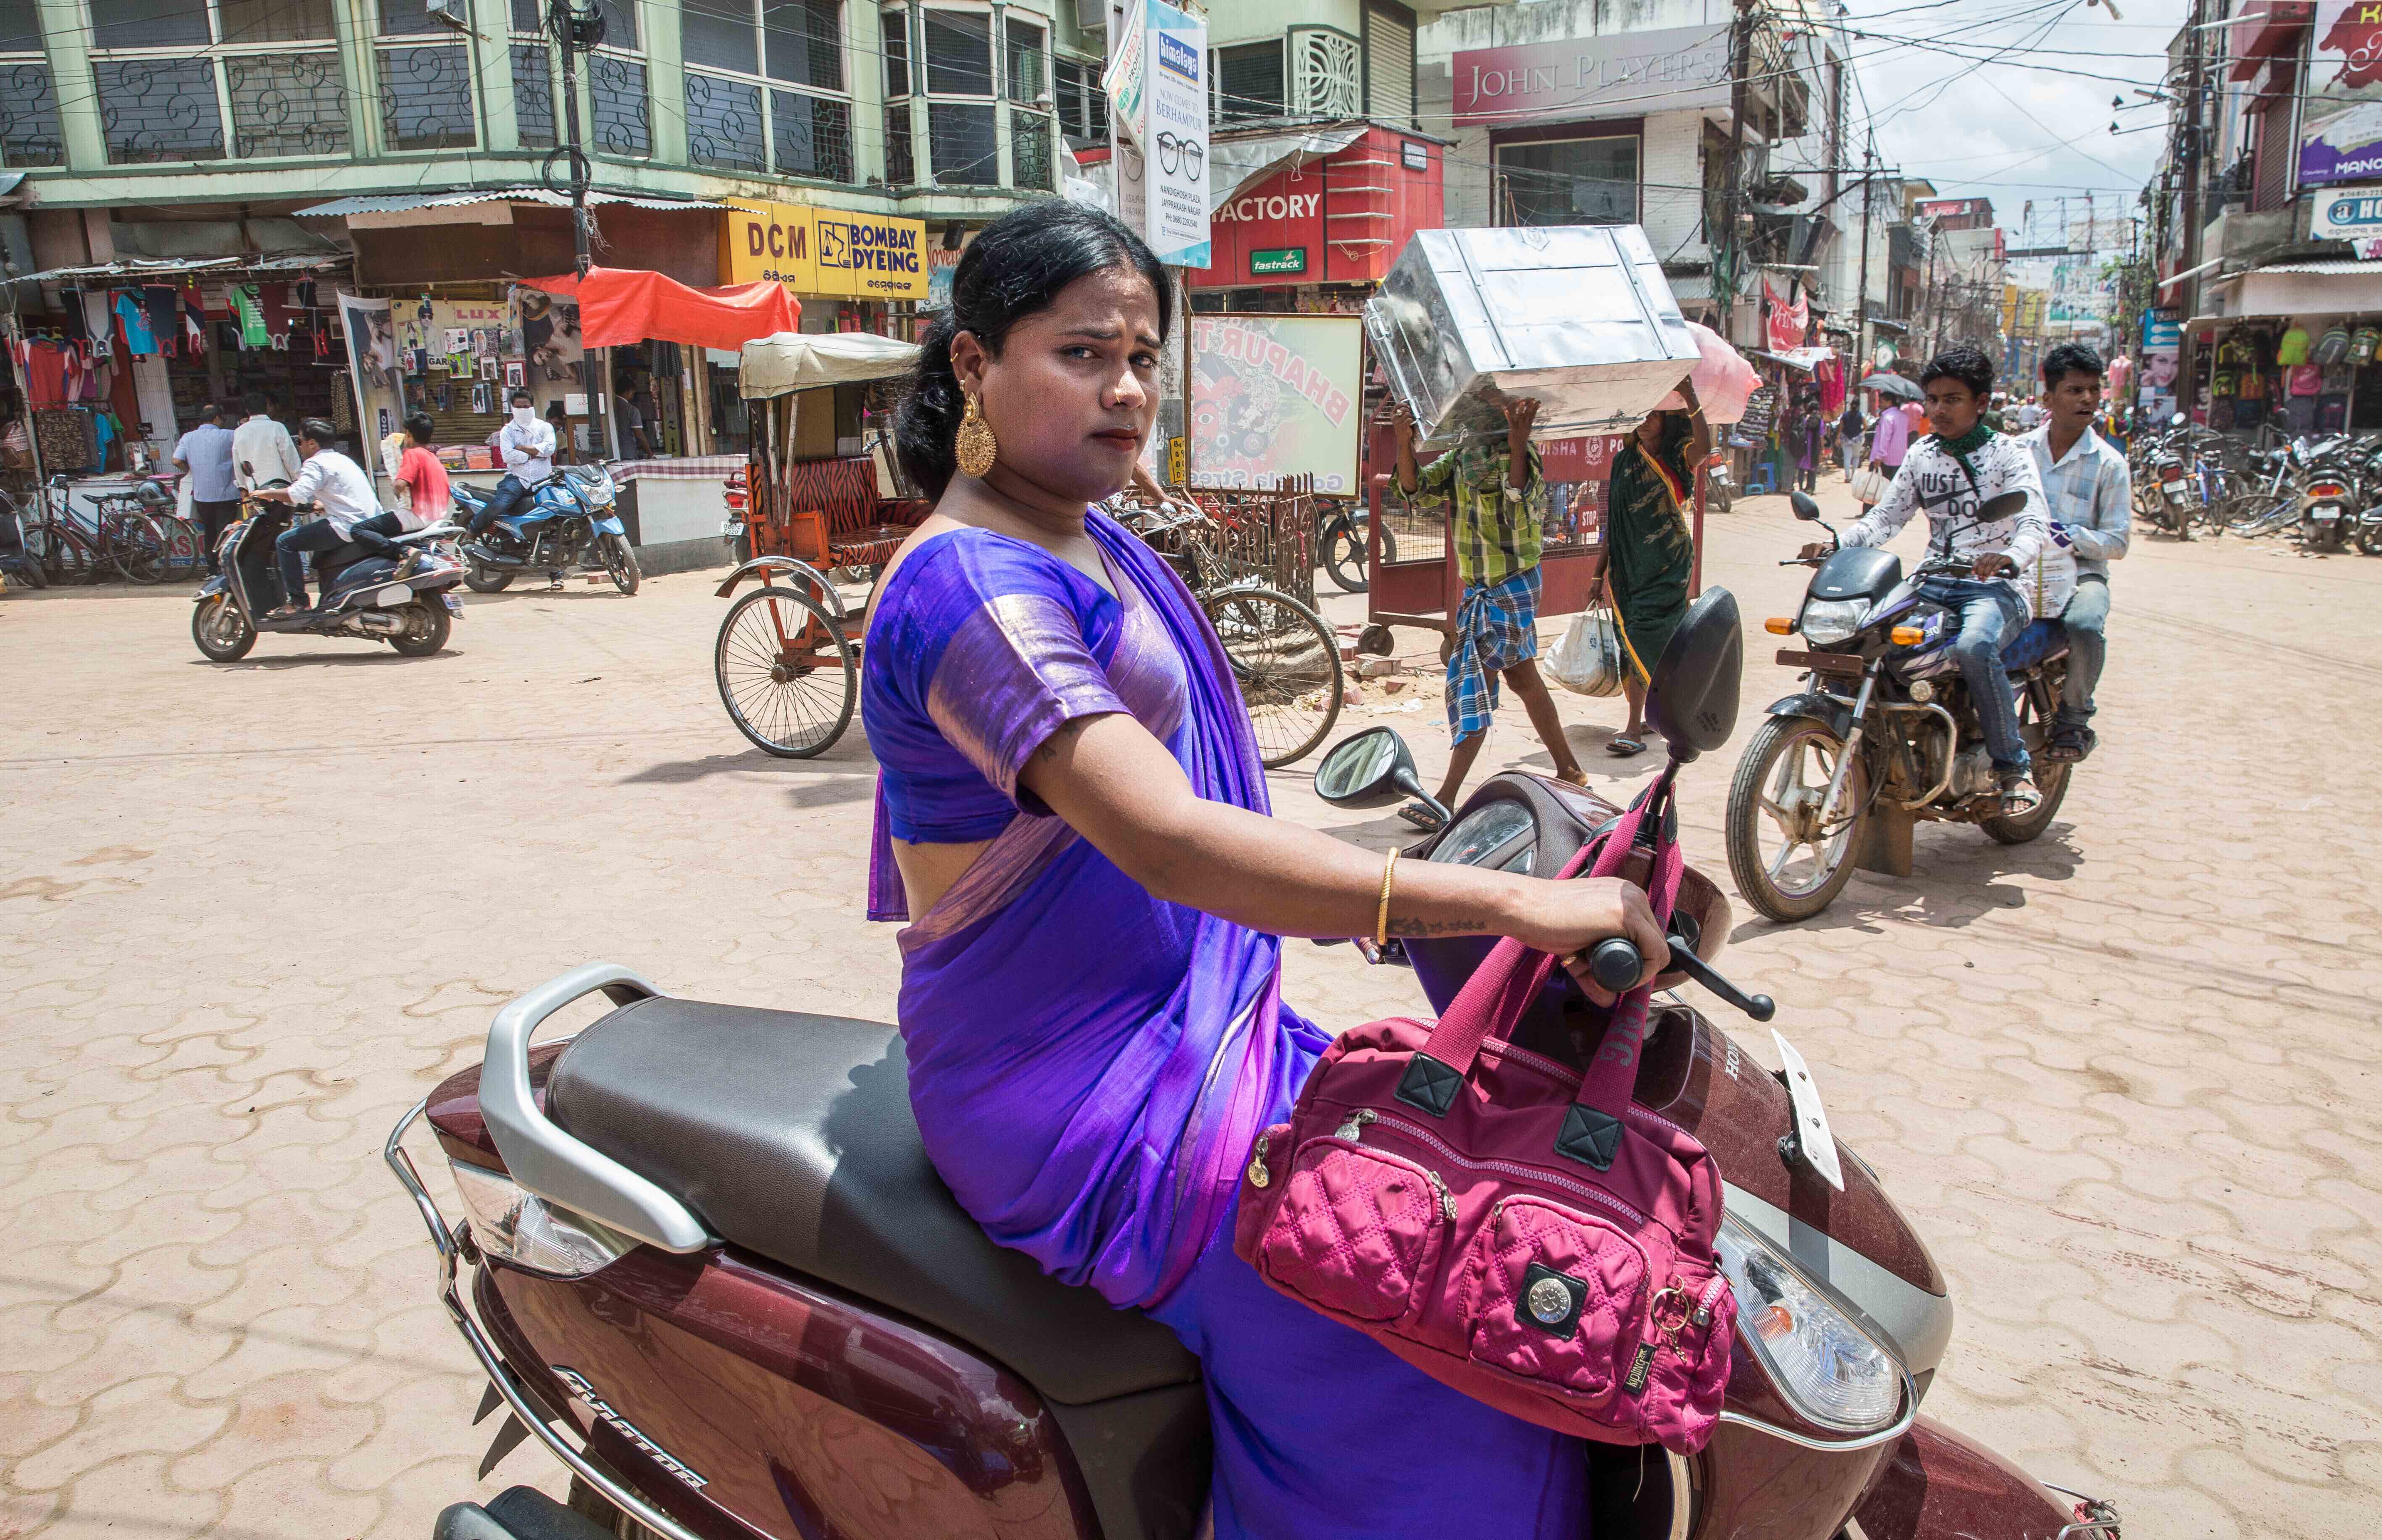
(1894, 384)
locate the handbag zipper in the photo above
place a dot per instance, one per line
(1353, 1129)
(1440, 1147)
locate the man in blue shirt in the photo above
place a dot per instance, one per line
(2091, 493)
(204, 455)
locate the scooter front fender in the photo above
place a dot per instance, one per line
(1940, 1485)
(209, 589)
(1821, 707)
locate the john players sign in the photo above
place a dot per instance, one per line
(1667, 70)
(831, 252)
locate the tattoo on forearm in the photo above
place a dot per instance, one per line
(1474, 926)
(1049, 749)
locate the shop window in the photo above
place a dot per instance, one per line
(274, 20)
(721, 34)
(286, 104)
(1082, 106)
(900, 146)
(528, 16)
(959, 54)
(723, 123)
(803, 42)
(810, 136)
(960, 138)
(532, 93)
(153, 109)
(30, 133)
(1568, 181)
(895, 25)
(620, 24)
(1030, 151)
(1248, 81)
(1022, 75)
(149, 24)
(425, 98)
(1389, 62)
(616, 93)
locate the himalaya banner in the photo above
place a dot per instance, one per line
(2340, 121)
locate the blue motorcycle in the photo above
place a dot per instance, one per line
(569, 525)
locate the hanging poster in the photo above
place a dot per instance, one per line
(2340, 117)
(372, 358)
(1273, 397)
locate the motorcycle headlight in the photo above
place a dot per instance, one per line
(1828, 621)
(511, 1223)
(1836, 1373)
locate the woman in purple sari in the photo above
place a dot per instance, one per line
(1071, 817)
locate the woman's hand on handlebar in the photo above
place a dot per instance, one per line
(1815, 551)
(1570, 918)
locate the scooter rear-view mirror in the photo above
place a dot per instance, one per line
(1370, 770)
(1805, 509)
(1692, 700)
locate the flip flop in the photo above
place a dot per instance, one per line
(1623, 748)
(1422, 818)
(2019, 795)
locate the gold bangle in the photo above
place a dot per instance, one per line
(1382, 923)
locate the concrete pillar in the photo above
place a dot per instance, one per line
(65, 38)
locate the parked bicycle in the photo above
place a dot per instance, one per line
(73, 546)
(1284, 658)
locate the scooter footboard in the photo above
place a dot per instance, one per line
(1939, 1486)
(743, 1401)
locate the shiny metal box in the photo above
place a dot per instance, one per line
(1579, 316)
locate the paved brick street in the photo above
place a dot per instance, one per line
(2125, 1078)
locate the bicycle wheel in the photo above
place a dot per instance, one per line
(135, 546)
(1286, 662)
(186, 547)
(64, 556)
(785, 673)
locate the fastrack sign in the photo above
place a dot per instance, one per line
(1619, 75)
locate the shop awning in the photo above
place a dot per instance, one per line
(1238, 164)
(1804, 359)
(134, 270)
(398, 203)
(621, 306)
(788, 362)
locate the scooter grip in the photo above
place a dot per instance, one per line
(1615, 962)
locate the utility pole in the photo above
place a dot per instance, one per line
(1860, 295)
(1740, 51)
(2186, 388)
(575, 32)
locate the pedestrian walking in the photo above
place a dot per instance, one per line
(1650, 555)
(204, 455)
(1804, 435)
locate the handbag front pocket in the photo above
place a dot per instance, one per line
(1358, 1230)
(1556, 1297)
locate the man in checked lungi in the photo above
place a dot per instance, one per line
(1500, 497)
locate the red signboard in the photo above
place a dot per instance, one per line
(1949, 208)
(1341, 219)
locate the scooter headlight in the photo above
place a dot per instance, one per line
(517, 1226)
(1828, 621)
(1836, 1373)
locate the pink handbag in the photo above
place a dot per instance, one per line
(1514, 1230)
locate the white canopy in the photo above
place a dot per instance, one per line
(799, 360)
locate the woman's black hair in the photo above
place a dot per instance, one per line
(1016, 267)
(1965, 362)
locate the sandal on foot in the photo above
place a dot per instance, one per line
(1624, 747)
(2066, 747)
(1422, 817)
(285, 612)
(2020, 795)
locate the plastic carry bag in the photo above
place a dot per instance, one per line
(1588, 660)
(1869, 485)
(1723, 378)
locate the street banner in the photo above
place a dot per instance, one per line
(372, 364)
(1274, 397)
(2340, 117)
(1125, 79)
(1175, 141)
(2353, 214)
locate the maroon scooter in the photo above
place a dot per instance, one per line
(706, 1262)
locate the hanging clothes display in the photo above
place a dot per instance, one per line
(44, 364)
(252, 332)
(69, 437)
(165, 308)
(138, 339)
(1830, 375)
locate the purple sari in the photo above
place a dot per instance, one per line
(1089, 1066)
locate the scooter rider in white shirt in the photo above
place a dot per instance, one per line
(338, 489)
(526, 444)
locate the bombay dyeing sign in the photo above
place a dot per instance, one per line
(825, 252)
(1667, 69)
(2340, 121)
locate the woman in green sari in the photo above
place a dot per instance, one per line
(1649, 555)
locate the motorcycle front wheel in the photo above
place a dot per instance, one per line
(1345, 554)
(1786, 863)
(622, 562)
(219, 628)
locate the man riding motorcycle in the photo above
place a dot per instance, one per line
(526, 446)
(1950, 474)
(334, 483)
(2091, 493)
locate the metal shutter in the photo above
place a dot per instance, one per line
(1390, 63)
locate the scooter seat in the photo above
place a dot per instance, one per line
(791, 1136)
(2040, 642)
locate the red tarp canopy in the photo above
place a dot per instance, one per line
(619, 306)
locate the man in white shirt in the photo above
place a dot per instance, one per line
(2091, 491)
(526, 446)
(262, 449)
(342, 494)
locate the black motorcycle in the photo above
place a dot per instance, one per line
(362, 594)
(1341, 537)
(1883, 735)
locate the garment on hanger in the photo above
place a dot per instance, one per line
(252, 330)
(44, 367)
(164, 307)
(138, 339)
(96, 314)
(77, 327)
(278, 318)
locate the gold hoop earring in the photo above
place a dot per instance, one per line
(974, 447)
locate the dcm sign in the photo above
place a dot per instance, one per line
(824, 251)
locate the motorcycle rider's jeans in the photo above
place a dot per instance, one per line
(2087, 619)
(1990, 615)
(294, 544)
(510, 494)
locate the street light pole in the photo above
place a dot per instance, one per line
(1741, 50)
(569, 28)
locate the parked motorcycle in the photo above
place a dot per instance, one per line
(570, 524)
(705, 1261)
(18, 562)
(2329, 504)
(362, 596)
(1882, 734)
(1342, 536)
